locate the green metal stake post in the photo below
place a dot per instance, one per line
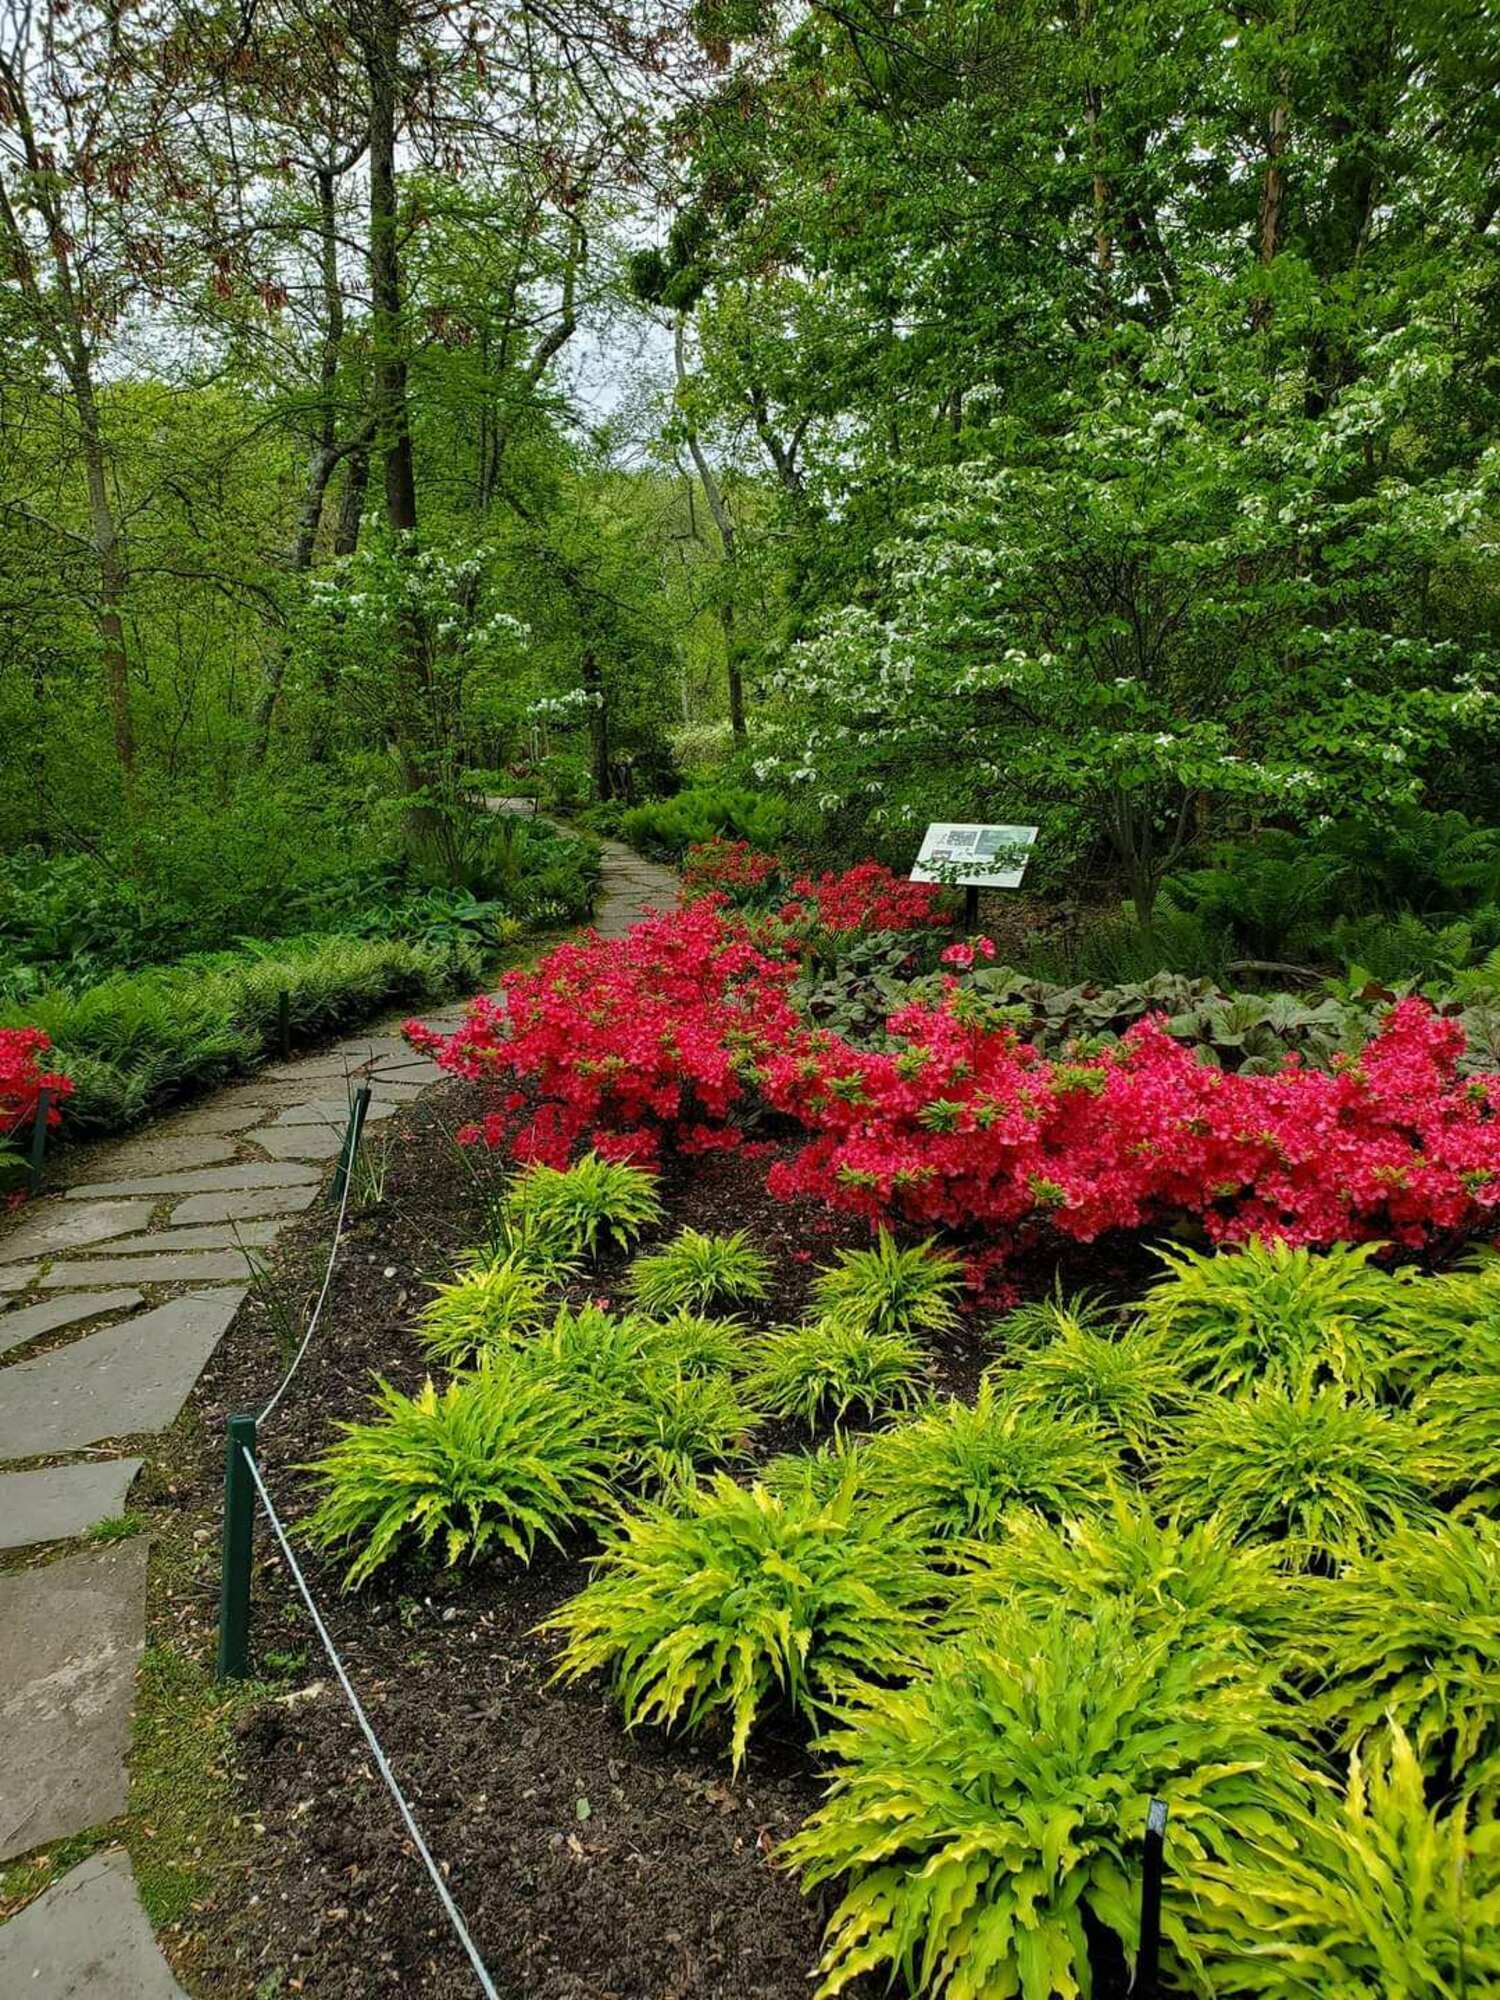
(39, 1139)
(350, 1146)
(239, 1533)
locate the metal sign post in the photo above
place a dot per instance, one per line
(1148, 1958)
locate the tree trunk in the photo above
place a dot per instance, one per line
(593, 681)
(388, 334)
(106, 535)
(724, 524)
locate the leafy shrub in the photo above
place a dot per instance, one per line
(1130, 1386)
(670, 1426)
(493, 1305)
(1447, 1325)
(1376, 1897)
(666, 829)
(1306, 1465)
(697, 1271)
(586, 1205)
(987, 1819)
(890, 1289)
(1410, 1633)
(958, 1469)
(729, 1597)
(1269, 1309)
(499, 1459)
(1176, 1575)
(1272, 908)
(829, 1367)
(840, 1463)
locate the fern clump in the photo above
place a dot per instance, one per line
(1411, 1633)
(891, 1290)
(729, 1598)
(586, 1206)
(957, 1469)
(1232, 1318)
(499, 1459)
(485, 1307)
(1307, 1466)
(1128, 1385)
(1375, 1896)
(988, 1817)
(829, 1367)
(697, 1272)
(1175, 1574)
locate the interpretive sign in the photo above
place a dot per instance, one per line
(977, 857)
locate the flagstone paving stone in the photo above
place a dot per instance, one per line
(70, 1636)
(54, 1230)
(208, 1236)
(61, 1501)
(162, 1152)
(48, 1315)
(238, 1205)
(301, 1142)
(16, 1277)
(132, 1377)
(87, 1938)
(213, 1180)
(191, 1267)
(218, 1117)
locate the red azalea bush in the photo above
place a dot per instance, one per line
(864, 898)
(22, 1079)
(971, 1127)
(729, 868)
(629, 1040)
(671, 1033)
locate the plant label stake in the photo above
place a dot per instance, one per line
(350, 1146)
(39, 1139)
(239, 1534)
(1144, 1986)
(284, 1022)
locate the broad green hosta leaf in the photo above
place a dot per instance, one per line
(1411, 1633)
(1232, 1318)
(499, 1460)
(829, 1367)
(978, 1813)
(1304, 1466)
(891, 1290)
(727, 1597)
(696, 1272)
(1174, 1573)
(1374, 1896)
(959, 1468)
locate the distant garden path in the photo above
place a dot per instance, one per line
(113, 1294)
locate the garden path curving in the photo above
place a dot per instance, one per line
(114, 1292)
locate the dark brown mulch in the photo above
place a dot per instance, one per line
(590, 1864)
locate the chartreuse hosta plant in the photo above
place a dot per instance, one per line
(985, 1819)
(1460, 1415)
(730, 1598)
(890, 1289)
(487, 1306)
(1448, 1325)
(586, 1206)
(957, 1469)
(1307, 1467)
(823, 1370)
(1374, 1896)
(698, 1272)
(1039, 1322)
(1129, 1384)
(1411, 1633)
(1178, 1574)
(497, 1461)
(1233, 1318)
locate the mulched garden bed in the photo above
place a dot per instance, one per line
(590, 1864)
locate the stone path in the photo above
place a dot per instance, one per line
(114, 1292)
